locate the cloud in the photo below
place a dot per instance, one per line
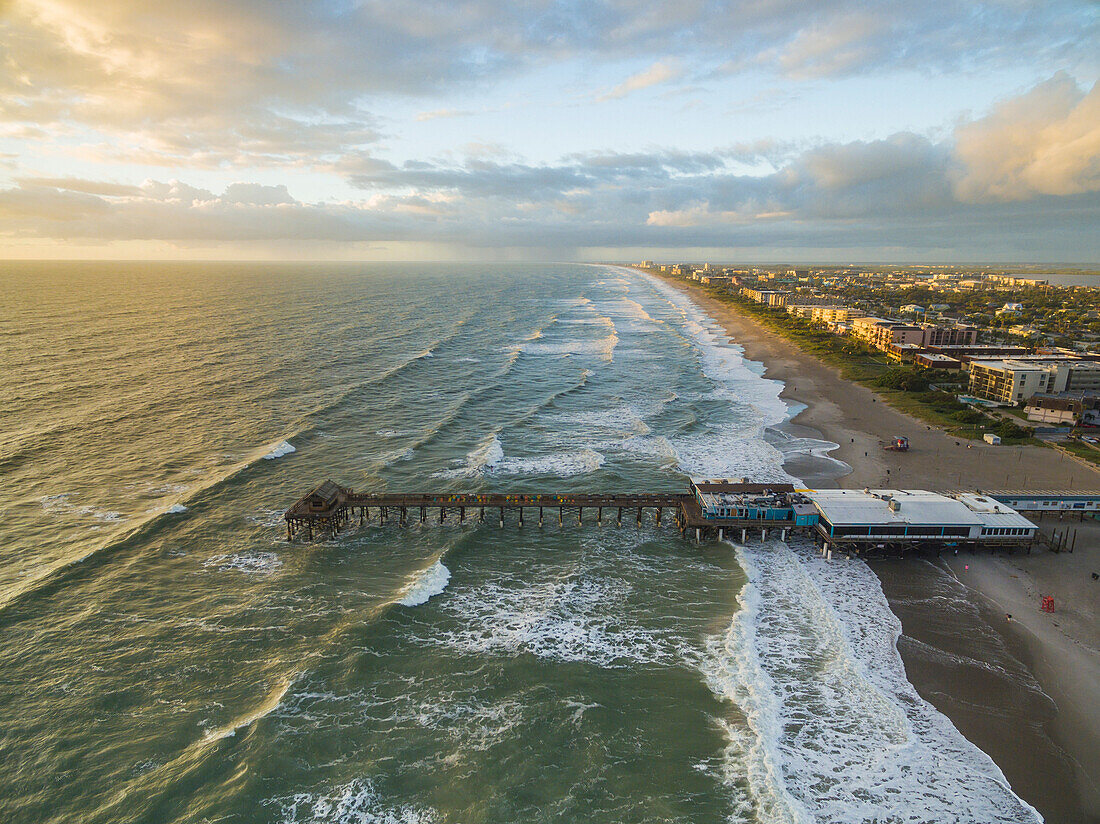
(837, 45)
(229, 83)
(1045, 142)
(663, 71)
(435, 114)
(256, 194)
(1020, 182)
(72, 184)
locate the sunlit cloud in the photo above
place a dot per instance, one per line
(435, 114)
(663, 71)
(1045, 142)
(222, 121)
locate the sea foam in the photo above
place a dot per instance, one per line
(836, 732)
(479, 460)
(356, 802)
(279, 450)
(558, 465)
(428, 582)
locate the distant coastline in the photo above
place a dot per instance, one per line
(1049, 755)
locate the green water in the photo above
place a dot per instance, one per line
(166, 655)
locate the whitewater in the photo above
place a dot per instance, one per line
(170, 657)
(859, 735)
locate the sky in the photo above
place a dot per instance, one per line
(764, 130)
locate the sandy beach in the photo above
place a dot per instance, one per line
(1026, 689)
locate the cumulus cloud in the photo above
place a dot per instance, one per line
(1046, 142)
(256, 194)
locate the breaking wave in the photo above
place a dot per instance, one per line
(835, 731)
(279, 450)
(427, 583)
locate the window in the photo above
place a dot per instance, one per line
(888, 531)
(843, 531)
(924, 530)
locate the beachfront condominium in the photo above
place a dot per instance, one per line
(1015, 380)
(883, 334)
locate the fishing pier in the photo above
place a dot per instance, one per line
(849, 521)
(330, 508)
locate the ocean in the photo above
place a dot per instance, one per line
(167, 656)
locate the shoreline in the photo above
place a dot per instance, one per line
(1048, 746)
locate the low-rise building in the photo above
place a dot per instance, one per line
(778, 504)
(905, 352)
(973, 351)
(1048, 501)
(853, 516)
(1064, 409)
(934, 360)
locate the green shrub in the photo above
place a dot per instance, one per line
(906, 378)
(968, 416)
(1008, 430)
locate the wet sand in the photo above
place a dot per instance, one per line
(1026, 690)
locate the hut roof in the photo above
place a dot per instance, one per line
(328, 491)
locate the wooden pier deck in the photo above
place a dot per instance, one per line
(331, 508)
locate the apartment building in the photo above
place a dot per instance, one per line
(758, 295)
(881, 333)
(937, 336)
(1015, 380)
(834, 314)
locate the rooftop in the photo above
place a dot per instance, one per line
(891, 506)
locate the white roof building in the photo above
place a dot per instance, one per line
(908, 515)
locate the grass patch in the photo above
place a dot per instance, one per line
(1081, 450)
